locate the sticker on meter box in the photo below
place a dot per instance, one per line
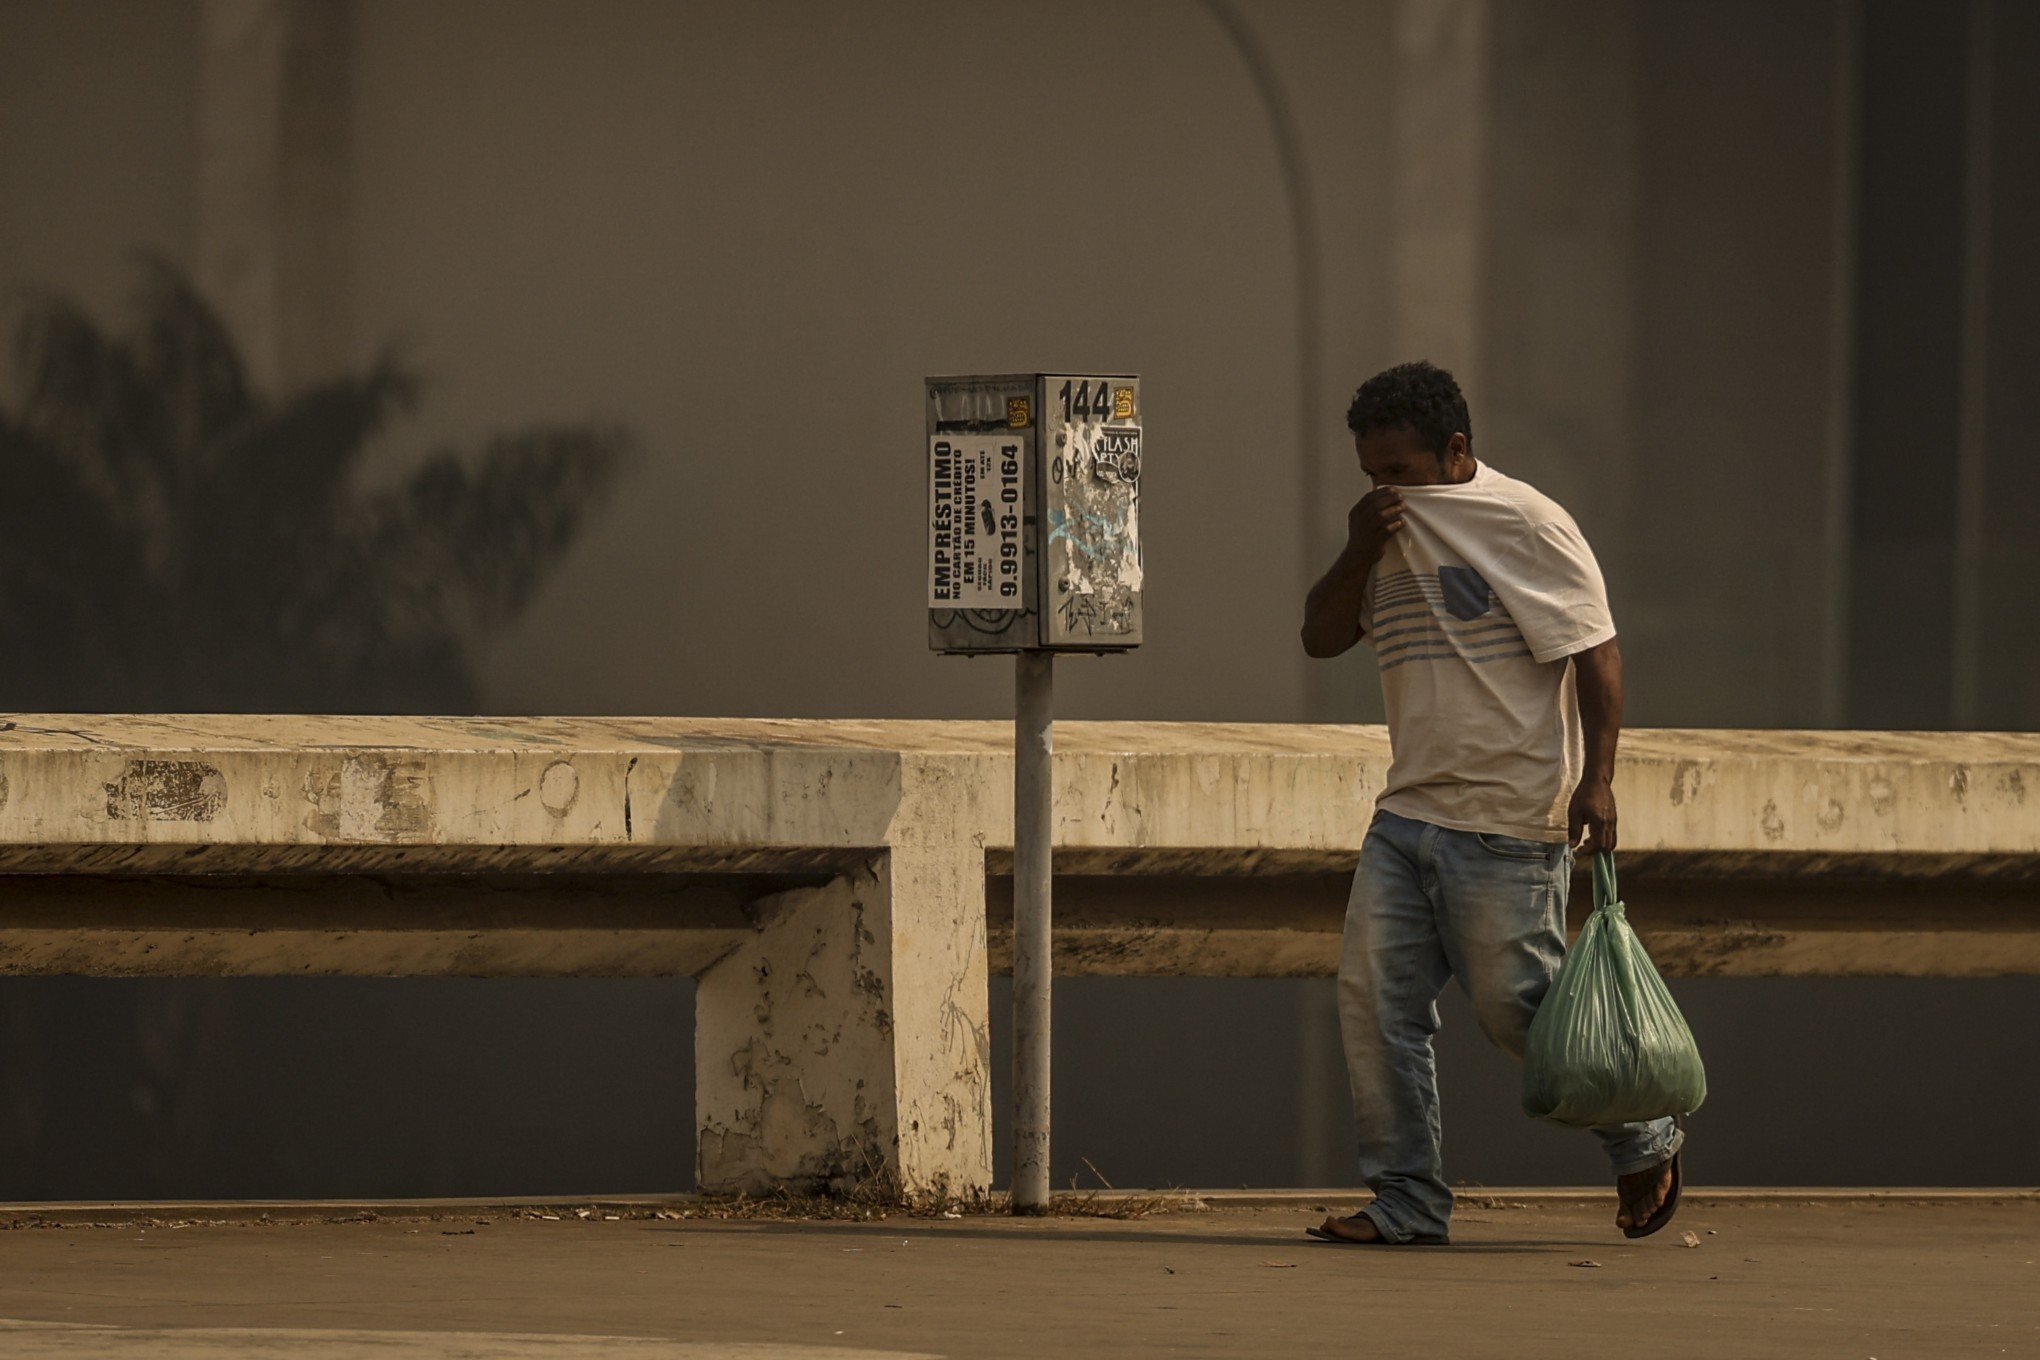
(975, 504)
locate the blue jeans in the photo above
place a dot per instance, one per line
(1430, 903)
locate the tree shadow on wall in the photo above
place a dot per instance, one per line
(173, 540)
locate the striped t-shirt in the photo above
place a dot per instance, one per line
(1472, 613)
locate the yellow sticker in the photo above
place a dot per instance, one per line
(1019, 413)
(1122, 403)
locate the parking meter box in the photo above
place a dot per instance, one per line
(1034, 513)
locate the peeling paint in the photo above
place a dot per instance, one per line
(371, 797)
(167, 791)
(1883, 797)
(1772, 821)
(1686, 778)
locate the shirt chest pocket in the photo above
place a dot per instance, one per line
(1465, 592)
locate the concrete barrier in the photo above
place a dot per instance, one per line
(838, 888)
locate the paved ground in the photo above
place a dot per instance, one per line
(1776, 1279)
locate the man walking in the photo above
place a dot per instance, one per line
(1503, 686)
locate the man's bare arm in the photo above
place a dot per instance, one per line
(1598, 671)
(1331, 612)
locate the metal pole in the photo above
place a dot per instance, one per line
(1033, 810)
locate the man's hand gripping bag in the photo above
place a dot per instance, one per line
(1608, 1046)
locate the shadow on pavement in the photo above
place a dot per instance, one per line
(946, 1231)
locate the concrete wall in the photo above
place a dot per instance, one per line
(742, 230)
(842, 1026)
(749, 231)
(1725, 588)
(97, 157)
(2009, 660)
(752, 229)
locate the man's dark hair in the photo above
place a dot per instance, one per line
(1420, 395)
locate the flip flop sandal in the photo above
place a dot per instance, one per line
(1664, 1211)
(1422, 1240)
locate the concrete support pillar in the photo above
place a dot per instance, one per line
(274, 182)
(1440, 118)
(1515, 228)
(1507, 270)
(1560, 246)
(844, 1048)
(2008, 483)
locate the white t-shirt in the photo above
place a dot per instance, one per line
(1473, 612)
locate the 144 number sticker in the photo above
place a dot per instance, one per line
(1087, 403)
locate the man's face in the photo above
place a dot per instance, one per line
(1398, 458)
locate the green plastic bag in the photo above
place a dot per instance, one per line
(1608, 1046)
